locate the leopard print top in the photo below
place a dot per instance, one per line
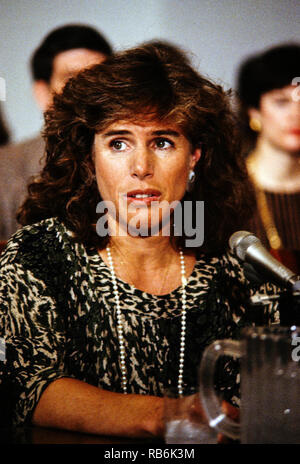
(58, 318)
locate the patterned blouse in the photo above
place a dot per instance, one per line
(58, 319)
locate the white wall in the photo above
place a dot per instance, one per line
(219, 34)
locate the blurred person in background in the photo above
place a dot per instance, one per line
(65, 51)
(270, 122)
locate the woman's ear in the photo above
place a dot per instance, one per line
(253, 113)
(195, 156)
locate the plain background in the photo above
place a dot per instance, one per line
(218, 35)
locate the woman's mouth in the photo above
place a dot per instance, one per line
(143, 196)
(295, 131)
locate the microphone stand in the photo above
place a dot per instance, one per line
(289, 308)
(288, 301)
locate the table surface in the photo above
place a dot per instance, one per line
(43, 435)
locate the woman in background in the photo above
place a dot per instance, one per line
(270, 120)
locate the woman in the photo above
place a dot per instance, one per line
(103, 310)
(270, 115)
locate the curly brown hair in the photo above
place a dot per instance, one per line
(155, 81)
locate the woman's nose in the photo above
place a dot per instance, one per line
(142, 164)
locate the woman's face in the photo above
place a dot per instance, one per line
(140, 165)
(279, 115)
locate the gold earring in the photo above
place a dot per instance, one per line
(255, 124)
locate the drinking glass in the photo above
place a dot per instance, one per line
(270, 385)
(184, 418)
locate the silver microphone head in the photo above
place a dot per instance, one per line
(248, 248)
(240, 241)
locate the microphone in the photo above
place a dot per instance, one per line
(248, 248)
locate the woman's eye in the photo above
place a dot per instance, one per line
(118, 145)
(281, 101)
(164, 144)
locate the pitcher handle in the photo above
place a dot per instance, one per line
(210, 401)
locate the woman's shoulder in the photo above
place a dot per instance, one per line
(224, 262)
(225, 269)
(38, 243)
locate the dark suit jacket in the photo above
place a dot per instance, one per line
(18, 164)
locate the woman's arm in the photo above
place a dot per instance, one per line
(32, 323)
(75, 405)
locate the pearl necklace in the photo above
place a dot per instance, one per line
(120, 324)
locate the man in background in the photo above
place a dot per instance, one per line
(63, 53)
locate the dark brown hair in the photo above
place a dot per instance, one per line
(64, 38)
(156, 81)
